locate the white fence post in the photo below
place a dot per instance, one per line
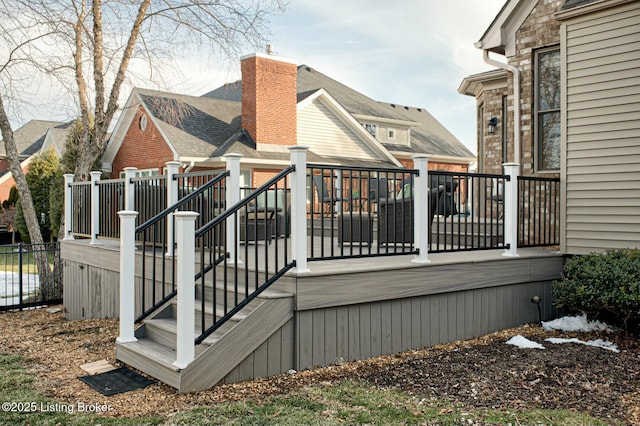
(511, 209)
(299, 207)
(185, 339)
(129, 188)
(95, 206)
(127, 276)
(421, 192)
(232, 196)
(68, 206)
(173, 167)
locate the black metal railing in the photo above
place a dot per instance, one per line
(263, 220)
(111, 198)
(81, 209)
(158, 279)
(350, 207)
(150, 196)
(538, 211)
(363, 212)
(469, 213)
(20, 285)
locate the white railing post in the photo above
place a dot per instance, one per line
(95, 206)
(68, 206)
(129, 188)
(299, 207)
(511, 209)
(173, 167)
(185, 252)
(127, 276)
(232, 196)
(421, 192)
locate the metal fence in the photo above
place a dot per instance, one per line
(20, 285)
(538, 211)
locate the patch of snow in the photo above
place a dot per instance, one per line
(598, 343)
(10, 287)
(523, 342)
(577, 323)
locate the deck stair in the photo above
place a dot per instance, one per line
(155, 351)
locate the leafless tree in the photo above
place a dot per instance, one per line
(87, 47)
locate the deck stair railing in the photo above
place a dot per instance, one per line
(155, 239)
(260, 218)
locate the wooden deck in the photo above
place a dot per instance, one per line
(339, 310)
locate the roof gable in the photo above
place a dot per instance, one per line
(30, 137)
(329, 130)
(192, 126)
(500, 36)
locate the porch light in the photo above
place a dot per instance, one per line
(493, 122)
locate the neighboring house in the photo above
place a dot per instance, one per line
(277, 104)
(34, 137)
(577, 63)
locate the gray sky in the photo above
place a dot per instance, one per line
(407, 52)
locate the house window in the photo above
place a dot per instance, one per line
(143, 173)
(391, 134)
(371, 128)
(547, 109)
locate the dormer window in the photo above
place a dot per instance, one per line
(371, 128)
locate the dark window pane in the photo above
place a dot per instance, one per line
(549, 138)
(549, 80)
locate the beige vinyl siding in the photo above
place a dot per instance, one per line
(603, 130)
(402, 135)
(326, 135)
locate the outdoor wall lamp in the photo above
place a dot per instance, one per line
(493, 122)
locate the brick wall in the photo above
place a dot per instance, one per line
(142, 149)
(490, 157)
(539, 30)
(269, 100)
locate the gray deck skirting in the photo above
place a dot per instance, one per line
(344, 310)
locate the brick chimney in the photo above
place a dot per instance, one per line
(269, 100)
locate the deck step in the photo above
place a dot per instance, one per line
(220, 293)
(152, 358)
(164, 331)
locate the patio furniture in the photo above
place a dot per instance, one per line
(378, 190)
(277, 201)
(354, 229)
(396, 216)
(446, 203)
(257, 226)
(327, 196)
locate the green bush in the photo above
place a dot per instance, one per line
(602, 284)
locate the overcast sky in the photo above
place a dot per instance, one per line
(407, 52)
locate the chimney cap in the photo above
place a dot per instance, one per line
(266, 56)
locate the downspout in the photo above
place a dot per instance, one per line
(191, 165)
(516, 100)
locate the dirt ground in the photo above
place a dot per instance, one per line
(480, 373)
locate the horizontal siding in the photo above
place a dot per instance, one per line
(603, 130)
(325, 134)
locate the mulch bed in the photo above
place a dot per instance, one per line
(480, 373)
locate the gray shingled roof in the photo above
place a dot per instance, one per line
(29, 138)
(430, 137)
(570, 4)
(196, 126)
